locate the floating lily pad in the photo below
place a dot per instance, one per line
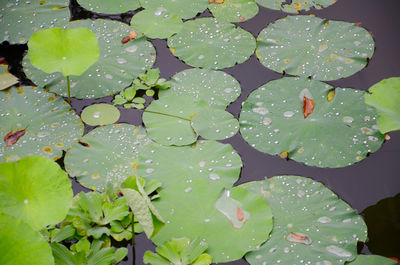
(340, 131)
(20, 19)
(207, 43)
(100, 114)
(372, 260)
(233, 10)
(157, 23)
(16, 236)
(209, 160)
(295, 6)
(385, 98)
(219, 218)
(312, 47)
(311, 224)
(106, 155)
(117, 66)
(40, 123)
(217, 88)
(6, 79)
(184, 8)
(215, 124)
(110, 7)
(35, 190)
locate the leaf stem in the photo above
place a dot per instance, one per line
(169, 115)
(69, 90)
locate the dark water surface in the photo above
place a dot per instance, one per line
(369, 186)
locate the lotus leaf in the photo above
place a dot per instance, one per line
(208, 160)
(6, 79)
(106, 155)
(16, 236)
(337, 133)
(385, 97)
(117, 66)
(184, 8)
(157, 23)
(311, 224)
(233, 10)
(372, 260)
(110, 7)
(312, 47)
(295, 6)
(20, 19)
(35, 190)
(40, 123)
(208, 43)
(100, 114)
(217, 88)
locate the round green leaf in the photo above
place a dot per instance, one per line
(234, 10)
(312, 47)
(100, 114)
(157, 23)
(311, 224)
(35, 190)
(218, 163)
(109, 7)
(217, 88)
(219, 217)
(117, 66)
(338, 133)
(184, 8)
(21, 19)
(47, 121)
(385, 97)
(20, 244)
(69, 51)
(207, 43)
(215, 124)
(372, 260)
(106, 155)
(295, 6)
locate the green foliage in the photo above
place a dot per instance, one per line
(110, 7)
(148, 82)
(184, 8)
(295, 6)
(385, 97)
(100, 114)
(179, 251)
(233, 10)
(6, 79)
(371, 260)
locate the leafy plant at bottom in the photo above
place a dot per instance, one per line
(179, 251)
(146, 82)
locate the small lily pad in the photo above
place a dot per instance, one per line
(312, 47)
(295, 6)
(208, 43)
(100, 114)
(35, 190)
(215, 124)
(385, 97)
(110, 7)
(233, 10)
(311, 224)
(106, 156)
(372, 260)
(184, 8)
(6, 79)
(340, 131)
(35, 122)
(157, 23)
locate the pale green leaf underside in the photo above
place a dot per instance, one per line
(234, 10)
(110, 7)
(295, 6)
(184, 8)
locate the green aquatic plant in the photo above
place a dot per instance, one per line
(6, 79)
(233, 10)
(295, 6)
(184, 8)
(100, 114)
(110, 7)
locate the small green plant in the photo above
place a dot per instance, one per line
(147, 82)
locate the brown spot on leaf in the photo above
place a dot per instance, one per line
(85, 144)
(308, 106)
(240, 214)
(132, 35)
(216, 1)
(12, 137)
(125, 39)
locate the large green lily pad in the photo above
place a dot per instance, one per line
(295, 6)
(208, 43)
(16, 236)
(117, 66)
(45, 123)
(184, 8)
(372, 260)
(106, 156)
(234, 10)
(219, 218)
(217, 88)
(311, 224)
(385, 97)
(337, 133)
(208, 160)
(312, 47)
(35, 190)
(110, 7)
(20, 19)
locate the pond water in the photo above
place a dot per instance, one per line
(369, 186)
